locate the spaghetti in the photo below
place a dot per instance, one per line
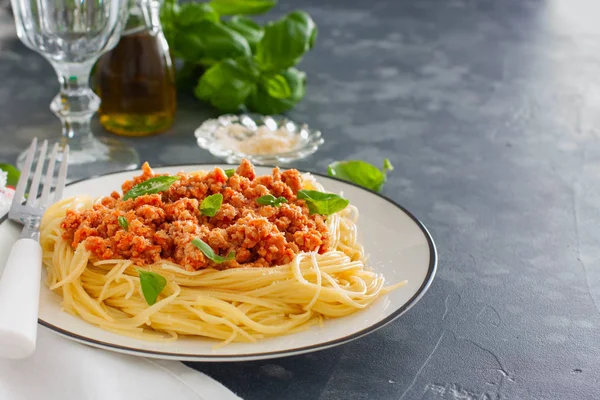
(240, 304)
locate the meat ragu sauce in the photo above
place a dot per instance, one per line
(162, 226)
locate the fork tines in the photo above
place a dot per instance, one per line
(32, 199)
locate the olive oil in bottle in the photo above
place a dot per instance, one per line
(136, 83)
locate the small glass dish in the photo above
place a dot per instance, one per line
(263, 140)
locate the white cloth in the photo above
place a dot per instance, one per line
(62, 369)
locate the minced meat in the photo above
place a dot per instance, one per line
(161, 226)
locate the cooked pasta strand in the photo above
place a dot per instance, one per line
(239, 305)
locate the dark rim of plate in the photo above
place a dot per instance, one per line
(431, 270)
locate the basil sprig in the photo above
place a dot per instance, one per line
(270, 200)
(151, 186)
(211, 204)
(362, 173)
(123, 222)
(234, 62)
(152, 284)
(321, 202)
(209, 252)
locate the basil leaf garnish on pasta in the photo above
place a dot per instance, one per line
(209, 252)
(362, 173)
(270, 200)
(150, 186)
(152, 284)
(322, 203)
(211, 204)
(230, 172)
(123, 222)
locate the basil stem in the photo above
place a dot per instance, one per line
(387, 165)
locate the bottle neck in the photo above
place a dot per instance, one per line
(144, 16)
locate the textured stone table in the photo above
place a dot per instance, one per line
(490, 111)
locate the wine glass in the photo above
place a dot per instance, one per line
(72, 35)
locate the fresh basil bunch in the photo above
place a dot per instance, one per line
(243, 63)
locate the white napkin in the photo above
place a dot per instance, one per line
(62, 369)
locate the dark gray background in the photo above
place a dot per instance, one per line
(490, 112)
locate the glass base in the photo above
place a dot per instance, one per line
(90, 156)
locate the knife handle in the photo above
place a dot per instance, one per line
(19, 299)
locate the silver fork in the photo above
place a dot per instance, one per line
(20, 282)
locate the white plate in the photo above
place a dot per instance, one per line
(398, 246)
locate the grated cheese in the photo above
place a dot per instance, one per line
(263, 141)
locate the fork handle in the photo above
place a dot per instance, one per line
(19, 299)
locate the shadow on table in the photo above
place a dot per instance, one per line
(302, 376)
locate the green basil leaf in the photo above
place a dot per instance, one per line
(322, 203)
(209, 252)
(150, 186)
(169, 32)
(230, 7)
(188, 74)
(192, 13)
(123, 222)
(387, 165)
(285, 41)
(261, 102)
(152, 284)
(169, 13)
(226, 85)
(230, 172)
(360, 172)
(208, 42)
(277, 87)
(270, 200)
(279, 201)
(246, 27)
(169, 10)
(211, 204)
(266, 200)
(13, 174)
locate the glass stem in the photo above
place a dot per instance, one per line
(76, 103)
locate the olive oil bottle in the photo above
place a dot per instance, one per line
(136, 83)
